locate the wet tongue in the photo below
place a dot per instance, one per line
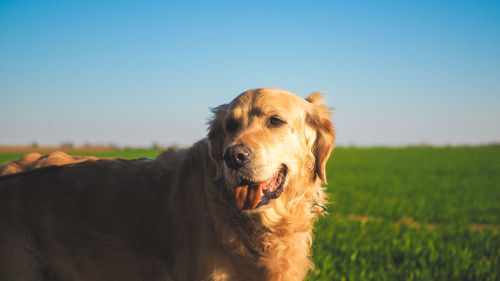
(248, 196)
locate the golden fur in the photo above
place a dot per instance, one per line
(35, 160)
(175, 218)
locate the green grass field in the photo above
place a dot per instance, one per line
(417, 213)
(422, 210)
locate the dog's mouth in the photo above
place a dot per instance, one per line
(252, 195)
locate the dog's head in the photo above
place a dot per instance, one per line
(266, 139)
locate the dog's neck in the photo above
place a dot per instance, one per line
(278, 236)
(278, 239)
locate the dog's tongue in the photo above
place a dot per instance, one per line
(248, 196)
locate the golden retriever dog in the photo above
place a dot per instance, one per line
(238, 205)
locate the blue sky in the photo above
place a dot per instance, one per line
(138, 72)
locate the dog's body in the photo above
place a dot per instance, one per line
(235, 206)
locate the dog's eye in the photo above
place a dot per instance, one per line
(275, 122)
(232, 125)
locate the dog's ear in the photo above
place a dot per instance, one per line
(320, 120)
(216, 136)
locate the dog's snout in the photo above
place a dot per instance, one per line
(237, 155)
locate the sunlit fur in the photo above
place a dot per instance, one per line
(191, 228)
(282, 231)
(35, 160)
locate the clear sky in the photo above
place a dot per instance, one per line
(138, 72)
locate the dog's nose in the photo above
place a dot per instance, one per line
(237, 155)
